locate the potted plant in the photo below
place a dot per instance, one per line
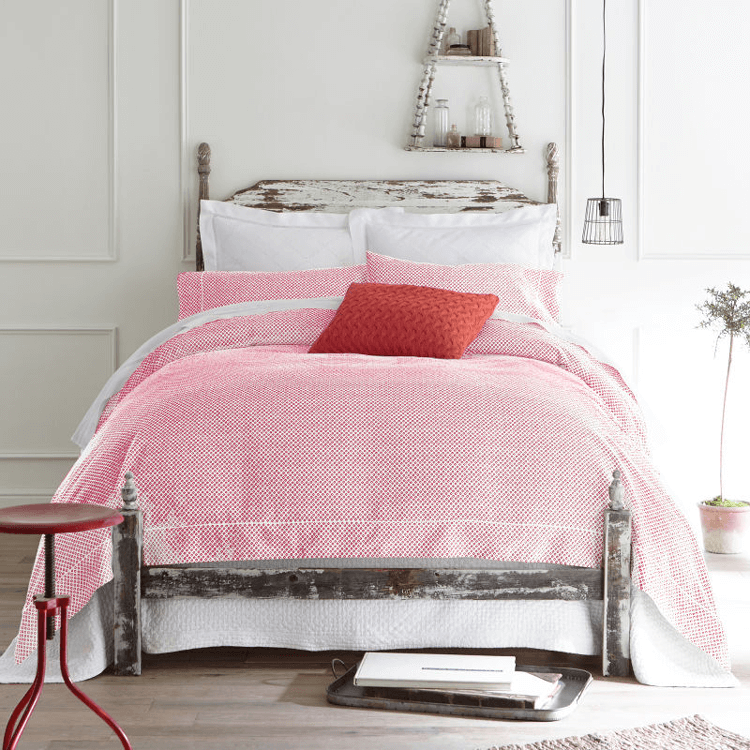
(725, 523)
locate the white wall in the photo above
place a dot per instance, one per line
(89, 214)
(675, 155)
(111, 98)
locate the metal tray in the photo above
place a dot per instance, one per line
(575, 682)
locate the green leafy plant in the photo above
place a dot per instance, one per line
(728, 312)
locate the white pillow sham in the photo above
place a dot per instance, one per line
(521, 236)
(240, 238)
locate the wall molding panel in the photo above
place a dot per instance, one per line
(642, 196)
(110, 250)
(7, 456)
(107, 366)
(568, 186)
(25, 496)
(640, 130)
(187, 159)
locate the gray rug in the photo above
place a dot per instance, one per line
(690, 733)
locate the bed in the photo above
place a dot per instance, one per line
(611, 583)
(458, 562)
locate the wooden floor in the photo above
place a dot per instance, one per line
(217, 699)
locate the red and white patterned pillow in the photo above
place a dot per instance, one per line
(400, 320)
(521, 290)
(205, 290)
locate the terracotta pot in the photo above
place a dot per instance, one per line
(725, 530)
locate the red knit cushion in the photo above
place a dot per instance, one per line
(400, 320)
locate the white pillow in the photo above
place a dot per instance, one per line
(240, 238)
(521, 236)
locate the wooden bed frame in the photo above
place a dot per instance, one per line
(610, 584)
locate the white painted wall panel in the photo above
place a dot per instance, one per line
(48, 377)
(696, 68)
(686, 442)
(663, 143)
(57, 134)
(136, 292)
(30, 480)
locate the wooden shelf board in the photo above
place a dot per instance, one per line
(468, 150)
(470, 60)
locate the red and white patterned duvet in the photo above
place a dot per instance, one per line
(245, 447)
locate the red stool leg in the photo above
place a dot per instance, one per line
(16, 711)
(98, 710)
(28, 702)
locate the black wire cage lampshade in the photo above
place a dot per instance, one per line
(603, 222)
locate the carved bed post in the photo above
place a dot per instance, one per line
(616, 620)
(204, 169)
(127, 555)
(553, 170)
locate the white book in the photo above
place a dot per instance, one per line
(438, 671)
(526, 686)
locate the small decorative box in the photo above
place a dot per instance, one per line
(482, 141)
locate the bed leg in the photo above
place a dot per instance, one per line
(616, 625)
(127, 555)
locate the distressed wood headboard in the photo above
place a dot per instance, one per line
(341, 196)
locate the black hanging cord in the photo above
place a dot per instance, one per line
(604, 69)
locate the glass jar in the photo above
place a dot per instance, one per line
(453, 139)
(441, 123)
(452, 37)
(483, 117)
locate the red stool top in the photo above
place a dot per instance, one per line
(56, 518)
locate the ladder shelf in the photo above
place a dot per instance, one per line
(431, 62)
(470, 60)
(466, 150)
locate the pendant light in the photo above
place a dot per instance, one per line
(603, 223)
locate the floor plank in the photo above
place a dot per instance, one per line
(275, 699)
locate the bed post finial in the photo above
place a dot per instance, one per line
(204, 169)
(204, 161)
(616, 492)
(553, 170)
(129, 492)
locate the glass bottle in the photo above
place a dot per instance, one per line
(452, 37)
(454, 137)
(441, 123)
(483, 117)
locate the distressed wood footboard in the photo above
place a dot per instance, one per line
(134, 581)
(182, 581)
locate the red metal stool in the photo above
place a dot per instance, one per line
(50, 519)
